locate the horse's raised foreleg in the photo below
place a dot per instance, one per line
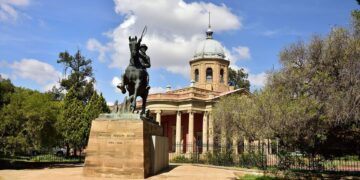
(136, 90)
(122, 84)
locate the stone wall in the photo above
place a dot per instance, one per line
(160, 153)
(120, 148)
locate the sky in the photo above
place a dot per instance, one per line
(34, 32)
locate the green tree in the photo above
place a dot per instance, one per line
(312, 102)
(72, 124)
(322, 78)
(239, 78)
(236, 115)
(103, 105)
(82, 104)
(6, 88)
(56, 93)
(255, 116)
(80, 77)
(93, 109)
(28, 122)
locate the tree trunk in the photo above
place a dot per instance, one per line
(67, 150)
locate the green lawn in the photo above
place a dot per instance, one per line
(256, 177)
(52, 158)
(42, 158)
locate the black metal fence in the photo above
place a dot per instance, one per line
(48, 155)
(263, 158)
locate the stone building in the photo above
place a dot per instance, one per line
(186, 114)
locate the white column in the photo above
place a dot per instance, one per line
(266, 146)
(246, 145)
(211, 133)
(269, 146)
(223, 139)
(205, 133)
(235, 144)
(158, 116)
(178, 132)
(190, 141)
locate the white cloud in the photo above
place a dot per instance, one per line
(4, 76)
(241, 52)
(176, 16)
(16, 2)
(49, 86)
(94, 45)
(8, 9)
(38, 71)
(258, 80)
(235, 67)
(114, 82)
(174, 29)
(236, 54)
(3, 64)
(271, 33)
(281, 31)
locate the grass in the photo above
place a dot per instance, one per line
(52, 158)
(341, 162)
(42, 158)
(256, 177)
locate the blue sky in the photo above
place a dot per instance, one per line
(33, 32)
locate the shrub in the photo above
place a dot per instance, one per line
(219, 158)
(252, 159)
(180, 159)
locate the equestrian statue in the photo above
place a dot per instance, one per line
(135, 80)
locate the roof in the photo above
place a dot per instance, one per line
(240, 90)
(209, 48)
(192, 93)
(188, 93)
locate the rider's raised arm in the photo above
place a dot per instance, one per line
(139, 41)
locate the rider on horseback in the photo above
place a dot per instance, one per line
(145, 61)
(135, 80)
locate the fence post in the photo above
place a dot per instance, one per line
(262, 153)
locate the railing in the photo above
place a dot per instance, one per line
(263, 158)
(43, 156)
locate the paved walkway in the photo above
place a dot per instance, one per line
(186, 172)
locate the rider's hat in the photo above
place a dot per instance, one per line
(143, 46)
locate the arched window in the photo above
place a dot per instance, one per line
(196, 75)
(221, 75)
(209, 74)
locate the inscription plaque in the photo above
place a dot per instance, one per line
(120, 148)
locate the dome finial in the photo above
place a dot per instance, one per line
(209, 21)
(209, 32)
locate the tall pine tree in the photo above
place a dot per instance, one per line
(80, 77)
(82, 103)
(72, 123)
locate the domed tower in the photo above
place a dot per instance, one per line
(209, 68)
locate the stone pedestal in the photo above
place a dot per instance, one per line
(125, 147)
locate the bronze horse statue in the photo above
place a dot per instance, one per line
(135, 79)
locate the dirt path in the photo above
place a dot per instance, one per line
(186, 172)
